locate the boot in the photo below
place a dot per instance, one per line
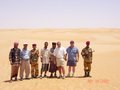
(55, 75)
(15, 78)
(51, 76)
(88, 74)
(85, 74)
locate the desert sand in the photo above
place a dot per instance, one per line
(106, 59)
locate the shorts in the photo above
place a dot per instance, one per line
(60, 62)
(71, 63)
(45, 67)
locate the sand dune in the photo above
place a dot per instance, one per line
(106, 62)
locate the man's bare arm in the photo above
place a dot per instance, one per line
(78, 56)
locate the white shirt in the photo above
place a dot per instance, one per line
(60, 52)
(25, 54)
(45, 54)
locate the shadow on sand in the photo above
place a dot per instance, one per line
(9, 81)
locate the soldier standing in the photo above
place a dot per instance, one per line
(34, 56)
(87, 56)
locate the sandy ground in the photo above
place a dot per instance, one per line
(105, 67)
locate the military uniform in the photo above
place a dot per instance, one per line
(87, 56)
(34, 63)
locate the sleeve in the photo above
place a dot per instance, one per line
(10, 55)
(38, 52)
(41, 53)
(77, 50)
(91, 53)
(29, 53)
(82, 52)
(21, 55)
(49, 53)
(54, 53)
(65, 51)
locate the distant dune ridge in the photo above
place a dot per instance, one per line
(106, 59)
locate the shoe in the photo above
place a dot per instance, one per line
(55, 76)
(21, 79)
(73, 75)
(60, 77)
(40, 76)
(88, 74)
(15, 78)
(51, 76)
(27, 78)
(35, 77)
(45, 76)
(63, 77)
(68, 75)
(32, 76)
(85, 74)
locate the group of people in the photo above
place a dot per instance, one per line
(52, 60)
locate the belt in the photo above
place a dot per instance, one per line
(25, 59)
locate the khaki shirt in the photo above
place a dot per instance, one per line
(87, 54)
(34, 55)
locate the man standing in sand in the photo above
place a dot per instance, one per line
(73, 58)
(53, 67)
(87, 56)
(60, 54)
(14, 58)
(25, 62)
(45, 54)
(34, 56)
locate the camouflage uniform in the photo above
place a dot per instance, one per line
(87, 56)
(34, 62)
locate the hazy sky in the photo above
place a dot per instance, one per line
(59, 13)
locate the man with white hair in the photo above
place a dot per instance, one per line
(60, 54)
(25, 62)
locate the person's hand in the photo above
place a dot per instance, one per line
(76, 60)
(65, 59)
(91, 62)
(11, 63)
(30, 62)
